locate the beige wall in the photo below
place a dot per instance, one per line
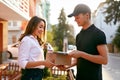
(112, 48)
(5, 35)
(3, 38)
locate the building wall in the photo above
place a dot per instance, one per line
(45, 6)
(32, 4)
(13, 36)
(14, 31)
(1, 45)
(3, 38)
(109, 29)
(34, 10)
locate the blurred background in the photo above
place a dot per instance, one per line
(61, 31)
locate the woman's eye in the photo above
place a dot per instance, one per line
(41, 27)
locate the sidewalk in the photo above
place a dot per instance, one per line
(114, 54)
(106, 75)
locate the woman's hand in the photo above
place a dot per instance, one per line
(49, 64)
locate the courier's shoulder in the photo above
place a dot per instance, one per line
(97, 30)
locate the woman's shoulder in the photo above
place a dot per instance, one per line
(26, 38)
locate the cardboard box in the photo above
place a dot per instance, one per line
(51, 57)
(62, 58)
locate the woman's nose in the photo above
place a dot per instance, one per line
(42, 29)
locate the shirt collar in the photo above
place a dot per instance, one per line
(31, 36)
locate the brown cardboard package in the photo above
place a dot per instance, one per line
(59, 58)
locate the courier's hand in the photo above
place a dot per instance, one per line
(75, 54)
(61, 67)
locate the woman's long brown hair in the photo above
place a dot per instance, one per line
(31, 26)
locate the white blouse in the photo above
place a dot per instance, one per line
(29, 51)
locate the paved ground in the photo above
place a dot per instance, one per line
(106, 75)
(111, 71)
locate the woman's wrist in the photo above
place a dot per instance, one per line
(42, 63)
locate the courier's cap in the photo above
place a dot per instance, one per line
(80, 8)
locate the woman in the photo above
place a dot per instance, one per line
(31, 55)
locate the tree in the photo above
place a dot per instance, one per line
(61, 30)
(113, 11)
(70, 34)
(50, 37)
(113, 15)
(116, 40)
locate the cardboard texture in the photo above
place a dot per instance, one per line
(62, 58)
(59, 58)
(51, 57)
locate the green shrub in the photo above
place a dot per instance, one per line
(63, 77)
(46, 72)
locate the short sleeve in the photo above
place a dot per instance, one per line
(100, 38)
